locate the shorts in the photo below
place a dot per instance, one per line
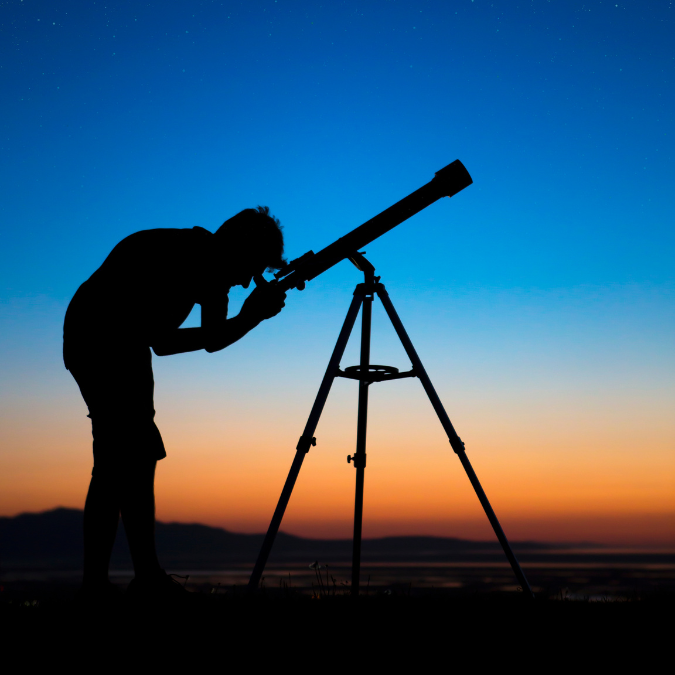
(117, 384)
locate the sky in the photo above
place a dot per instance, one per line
(541, 299)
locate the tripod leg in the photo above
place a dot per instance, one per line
(359, 458)
(305, 441)
(455, 441)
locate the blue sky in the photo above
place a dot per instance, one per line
(555, 267)
(120, 116)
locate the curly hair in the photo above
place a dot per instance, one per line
(259, 227)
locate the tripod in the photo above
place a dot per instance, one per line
(365, 374)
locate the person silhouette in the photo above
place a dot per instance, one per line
(133, 303)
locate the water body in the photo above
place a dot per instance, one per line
(566, 573)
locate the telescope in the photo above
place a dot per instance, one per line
(447, 182)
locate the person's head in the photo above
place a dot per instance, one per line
(253, 242)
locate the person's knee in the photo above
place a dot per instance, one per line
(123, 477)
(137, 479)
(104, 479)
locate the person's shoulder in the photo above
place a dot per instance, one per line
(158, 232)
(165, 236)
(201, 232)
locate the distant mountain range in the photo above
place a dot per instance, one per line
(53, 540)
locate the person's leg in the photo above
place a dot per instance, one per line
(138, 515)
(101, 516)
(116, 382)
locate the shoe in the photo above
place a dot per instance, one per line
(160, 587)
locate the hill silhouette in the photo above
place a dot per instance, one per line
(53, 540)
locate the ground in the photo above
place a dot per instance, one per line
(285, 628)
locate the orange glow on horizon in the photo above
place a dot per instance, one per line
(414, 485)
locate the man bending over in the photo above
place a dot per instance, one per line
(135, 302)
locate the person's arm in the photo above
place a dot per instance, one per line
(184, 340)
(218, 332)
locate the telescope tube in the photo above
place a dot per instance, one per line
(447, 182)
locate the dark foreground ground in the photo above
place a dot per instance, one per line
(325, 629)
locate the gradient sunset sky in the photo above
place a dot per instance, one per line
(541, 299)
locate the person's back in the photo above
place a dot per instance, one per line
(146, 284)
(137, 300)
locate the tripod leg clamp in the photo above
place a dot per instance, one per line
(305, 443)
(359, 460)
(457, 444)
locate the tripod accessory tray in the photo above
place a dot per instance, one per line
(374, 373)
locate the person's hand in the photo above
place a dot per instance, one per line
(263, 303)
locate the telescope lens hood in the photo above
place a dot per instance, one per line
(453, 178)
